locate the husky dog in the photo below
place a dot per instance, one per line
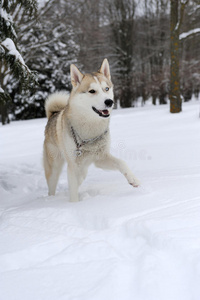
(78, 130)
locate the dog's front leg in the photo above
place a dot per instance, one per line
(110, 162)
(73, 182)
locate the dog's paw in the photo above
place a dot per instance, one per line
(134, 182)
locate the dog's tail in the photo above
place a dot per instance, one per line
(55, 103)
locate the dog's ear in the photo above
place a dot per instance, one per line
(76, 75)
(105, 69)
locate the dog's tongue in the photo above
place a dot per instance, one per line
(105, 112)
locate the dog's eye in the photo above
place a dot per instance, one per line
(107, 89)
(92, 91)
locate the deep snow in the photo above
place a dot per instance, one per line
(118, 242)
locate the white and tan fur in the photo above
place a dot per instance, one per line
(76, 110)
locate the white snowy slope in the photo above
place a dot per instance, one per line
(118, 242)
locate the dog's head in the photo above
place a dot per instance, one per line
(92, 93)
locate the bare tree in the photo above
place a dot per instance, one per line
(176, 19)
(122, 22)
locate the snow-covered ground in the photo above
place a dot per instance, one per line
(118, 242)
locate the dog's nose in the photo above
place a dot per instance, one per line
(109, 102)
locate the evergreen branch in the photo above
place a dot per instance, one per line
(4, 96)
(10, 55)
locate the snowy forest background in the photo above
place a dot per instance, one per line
(134, 36)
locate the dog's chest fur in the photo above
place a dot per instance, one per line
(92, 151)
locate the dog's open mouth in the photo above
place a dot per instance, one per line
(102, 113)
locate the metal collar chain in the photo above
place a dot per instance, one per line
(78, 151)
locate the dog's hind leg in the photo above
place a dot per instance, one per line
(53, 164)
(110, 162)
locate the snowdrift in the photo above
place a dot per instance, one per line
(118, 242)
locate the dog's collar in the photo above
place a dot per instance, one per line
(76, 137)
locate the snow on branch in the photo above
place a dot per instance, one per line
(190, 32)
(5, 16)
(1, 90)
(17, 65)
(10, 46)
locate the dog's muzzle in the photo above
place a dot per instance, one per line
(105, 112)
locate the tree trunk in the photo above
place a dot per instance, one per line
(174, 95)
(154, 99)
(176, 19)
(4, 114)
